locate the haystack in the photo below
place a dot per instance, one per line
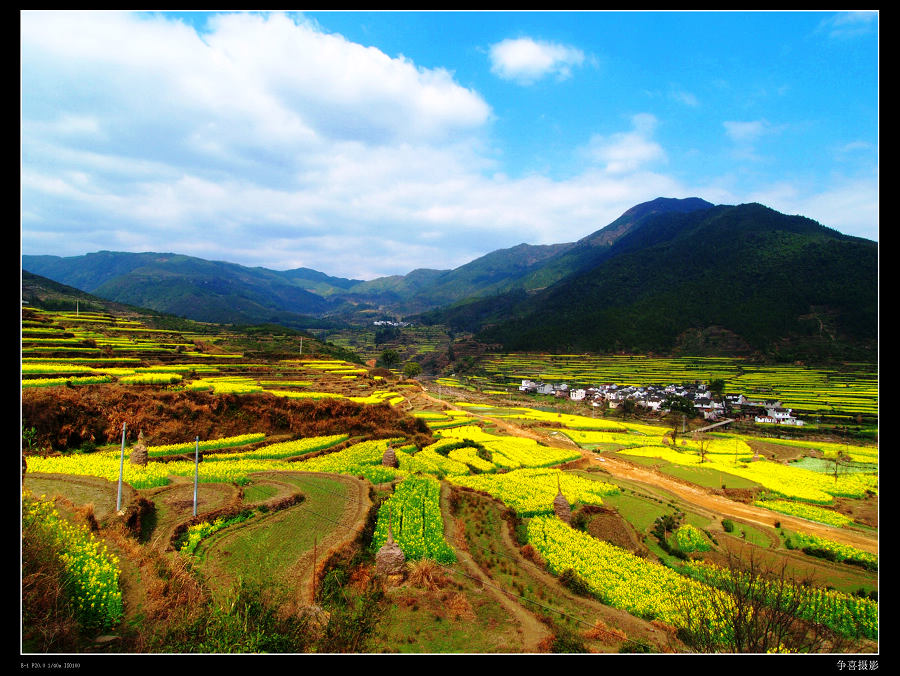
(139, 455)
(390, 559)
(389, 459)
(561, 505)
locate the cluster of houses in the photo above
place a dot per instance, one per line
(387, 322)
(652, 397)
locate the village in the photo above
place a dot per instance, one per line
(654, 397)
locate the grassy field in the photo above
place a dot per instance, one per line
(283, 559)
(268, 547)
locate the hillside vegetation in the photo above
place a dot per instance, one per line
(283, 500)
(675, 276)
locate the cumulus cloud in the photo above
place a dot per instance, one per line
(625, 152)
(266, 141)
(525, 60)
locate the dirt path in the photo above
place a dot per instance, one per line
(531, 630)
(690, 493)
(720, 505)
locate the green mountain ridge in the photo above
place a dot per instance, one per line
(668, 275)
(783, 286)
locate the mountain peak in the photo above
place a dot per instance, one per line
(668, 204)
(608, 235)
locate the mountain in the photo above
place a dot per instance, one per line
(668, 275)
(210, 291)
(724, 279)
(590, 249)
(41, 292)
(230, 293)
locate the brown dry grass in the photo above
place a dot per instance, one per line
(603, 632)
(361, 578)
(531, 554)
(66, 418)
(668, 628)
(426, 574)
(458, 606)
(157, 585)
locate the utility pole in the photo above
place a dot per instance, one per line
(121, 471)
(196, 470)
(315, 553)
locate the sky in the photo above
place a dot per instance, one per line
(366, 144)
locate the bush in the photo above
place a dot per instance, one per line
(728, 525)
(820, 553)
(580, 520)
(635, 647)
(567, 641)
(573, 582)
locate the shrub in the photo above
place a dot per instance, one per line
(635, 647)
(567, 641)
(728, 525)
(573, 582)
(580, 520)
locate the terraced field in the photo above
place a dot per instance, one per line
(510, 519)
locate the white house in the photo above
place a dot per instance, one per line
(779, 416)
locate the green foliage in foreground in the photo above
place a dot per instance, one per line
(90, 572)
(413, 513)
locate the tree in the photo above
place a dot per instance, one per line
(386, 334)
(411, 369)
(390, 357)
(675, 405)
(840, 460)
(703, 444)
(758, 610)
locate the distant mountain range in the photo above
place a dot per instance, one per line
(669, 275)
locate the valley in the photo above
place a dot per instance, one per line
(310, 458)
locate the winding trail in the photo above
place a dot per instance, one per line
(691, 493)
(721, 505)
(531, 630)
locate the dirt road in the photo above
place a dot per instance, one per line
(720, 505)
(691, 493)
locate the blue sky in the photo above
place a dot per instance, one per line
(364, 144)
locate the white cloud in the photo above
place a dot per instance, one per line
(745, 136)
(745, 132)
(685, 97)
(525, 60)
(266, 141)
(847, 204)
(628, 151)
(847, 25)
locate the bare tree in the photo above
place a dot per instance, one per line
(703, 443)
(758, 610)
